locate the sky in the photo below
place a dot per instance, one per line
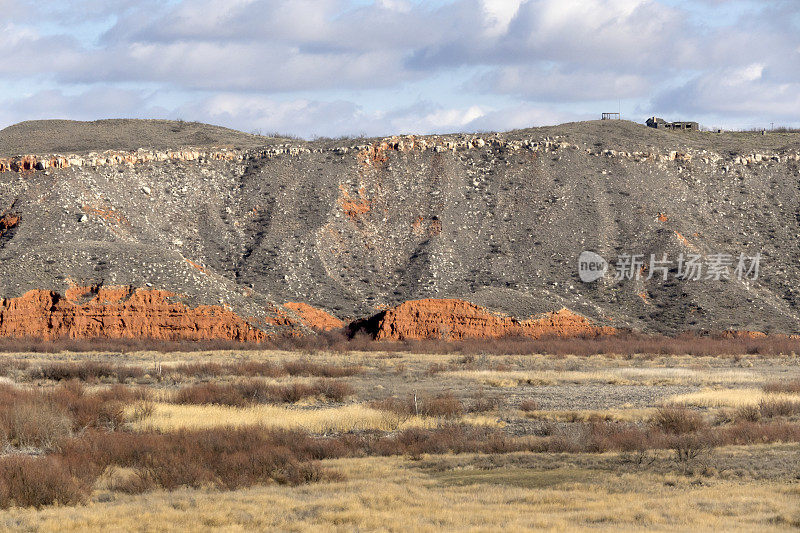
(380, 67)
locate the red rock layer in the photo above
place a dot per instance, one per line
(354, 207)
(313, 317)
(743, 334)
(121, 312)
(8, 222)
(458, 319)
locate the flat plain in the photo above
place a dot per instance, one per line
(266, 439)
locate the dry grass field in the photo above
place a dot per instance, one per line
(236, 440)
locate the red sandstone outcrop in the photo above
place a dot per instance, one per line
(452, 319)
(8, 222)
(744, 334)
(313, 317)
(123, 312)
(356, 206)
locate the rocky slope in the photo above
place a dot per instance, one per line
(345, 230)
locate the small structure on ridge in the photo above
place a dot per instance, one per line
(660, 123)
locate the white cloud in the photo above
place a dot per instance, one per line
(430, 119)
(745, 74)
(399, 6)
(735, 95)
(523, 116)
(500, 14)
(557, 85)
(317, 58)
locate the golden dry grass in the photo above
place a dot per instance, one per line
(620, 415)
(353, 417)
(384, 494)
(390, 494)
(729, 398)
(610, 376)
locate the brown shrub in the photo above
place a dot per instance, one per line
(142, 411)
(604, 436)
(688, 447)
(305, 367)
(38, 481)
(300, 367)
(85, 371)
(37, 423)
(35, 345)
(9, 366)
(199, 370)
(481, 403)
(87, 410)
(529, 405)
(442, 405)
(787, 386)
(752, 433)
(256, 369)
(333, 389)
(624, 343)
(454, 438)
(677, 420)
(221, 457)
(253, 392)
(435, 368)
(394, 405)
(231, 458)
(777, 408)
(133, 483)
(209, 393)
(123, 394)
(747, 413)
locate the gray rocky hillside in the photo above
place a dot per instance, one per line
(352, 226)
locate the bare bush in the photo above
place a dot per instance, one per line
(481, 403)
(38, 424)
(305, 367)
(677, 420)
(38, 481)
(85, 371)
(88, 410)
(747, 413)
(787, 386)
(778, 408)
(224, 457)
(441, 405)
(254, 392)
(624, 343)
(300, 367)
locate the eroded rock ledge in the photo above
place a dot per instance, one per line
(129, 313)
(375, 154)
(452, 319)
(314, 318)
(126, 313)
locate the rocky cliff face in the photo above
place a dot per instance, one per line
(450, 319)
(314, 318)
(353, 228)
(122, 312)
